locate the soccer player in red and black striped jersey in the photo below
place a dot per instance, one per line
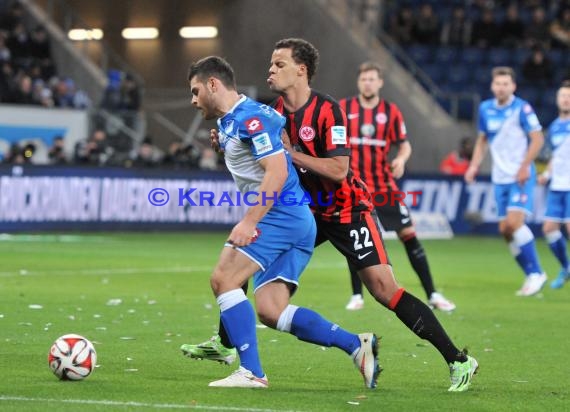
(317, 142)
(375, 125)
(316, 128)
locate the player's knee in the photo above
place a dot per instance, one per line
(217, 282)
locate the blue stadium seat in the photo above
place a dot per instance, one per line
(530, 93)
(520, 55)
(434, 71)
(421, 54)
(473, 55)
(482, 75)
(548, 96)
(446, 55)
(459, 74)
(558, 57)
(499, 56)
(546, 114)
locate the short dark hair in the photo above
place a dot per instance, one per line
(504, 71)
(565, 84)
(302, 52)
(369, 66)
(213, 66)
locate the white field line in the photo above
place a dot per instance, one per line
(137, 404)
(134, 271)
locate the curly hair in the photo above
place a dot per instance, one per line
(302, 52)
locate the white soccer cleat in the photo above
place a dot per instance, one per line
(438, 301)
(241, 378)
(366, 359)
(532, 284)
(356, 302)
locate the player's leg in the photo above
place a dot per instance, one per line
(554, 216)
(234, 268)
(273, 289)
(356, 301)
(376, 273)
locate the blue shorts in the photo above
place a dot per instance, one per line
(558, 206)
(512, 196)
(285, 245)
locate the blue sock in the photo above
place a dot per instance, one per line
(524, 239)
(309, 326)
(557, 245)
(516, 252)
(238, 318)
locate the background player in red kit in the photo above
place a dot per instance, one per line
(374, 126)
(317, 142)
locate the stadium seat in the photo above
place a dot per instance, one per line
(434, 71)
(548, 96)
(473, 55)
(421, 54)
(459, 74)
(558, 57)
(446, 55)
(529, 93)
(499, 56)
(520, 55)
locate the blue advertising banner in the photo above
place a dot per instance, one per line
(44, 198)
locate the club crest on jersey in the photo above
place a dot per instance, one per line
(307, 133)
(253, 125)
(381, 118)
(367, 129)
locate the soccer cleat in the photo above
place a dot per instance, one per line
(532, 284)
(241, 378)
(462, 373)
(211, 350)
(561, 279)
(366, 359)
(356, 302)
(438, 301)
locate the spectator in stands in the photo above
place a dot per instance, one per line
(402, 25)
(537, 69)
(5, 54)
(14, 154)
(486, 32)
(457, 30)
(560, 29)
(41, 53)
(537, 31)
(23, 94)
(56, 153)
(130, 94)
(512, 28)
(457, 162)
(9, 20)
(209, 160)
(19, 44)
(177, 156)
(146, 154)
(95, 151)
(42, 94)
(426, 27)
(7, 83)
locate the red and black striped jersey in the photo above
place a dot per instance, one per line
(371, 133)
(318, 129)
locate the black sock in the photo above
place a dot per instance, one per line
(222, 330)
(418, 259)
(355, 281)
(420, 319)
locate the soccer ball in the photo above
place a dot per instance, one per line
(72, 357)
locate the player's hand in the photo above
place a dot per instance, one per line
(215, 141)
(398, 166)
(243, 234)
(523, 175)
(543, 178)
(470, 174)
(286, 141)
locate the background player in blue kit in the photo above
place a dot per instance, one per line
(265, 244)
(509, 126)
(558, 172)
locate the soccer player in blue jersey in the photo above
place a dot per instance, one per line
(510, 128)
(265, 244)
(558, 197)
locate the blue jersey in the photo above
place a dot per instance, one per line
(249, 132)
(559, 142)
(507, 128)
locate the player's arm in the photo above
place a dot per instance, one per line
(399, 163)
(479, 152)
(275, 167)
(536, 143)
(334, 168)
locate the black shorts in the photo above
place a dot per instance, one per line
(393, 215)
(361, 243)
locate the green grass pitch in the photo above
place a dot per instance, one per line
(165, 300)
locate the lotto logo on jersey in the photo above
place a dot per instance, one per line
(253, 125)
